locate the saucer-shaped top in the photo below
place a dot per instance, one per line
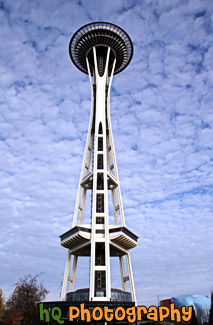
(101, 35)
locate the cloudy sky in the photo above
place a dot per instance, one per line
(162, 116)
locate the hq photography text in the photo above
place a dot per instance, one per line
(132, 314)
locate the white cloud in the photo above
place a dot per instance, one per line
(161, 109)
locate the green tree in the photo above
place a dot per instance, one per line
(22, 305)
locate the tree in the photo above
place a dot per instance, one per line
(22, 306)
(211, 310)
(1, 303)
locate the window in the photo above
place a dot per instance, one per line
(100, 129)
(100, 203)
(100, 144)
(100, 162)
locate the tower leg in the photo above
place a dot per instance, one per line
(122, 272)
(66, 275)
(132, 287)
(73, 273)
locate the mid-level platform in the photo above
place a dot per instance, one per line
(78, 239)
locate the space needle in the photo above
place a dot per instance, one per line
(100, 50)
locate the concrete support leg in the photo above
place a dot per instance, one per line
(66, 274)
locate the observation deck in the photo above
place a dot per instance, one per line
(101, 35)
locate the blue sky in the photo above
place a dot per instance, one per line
(162, 116)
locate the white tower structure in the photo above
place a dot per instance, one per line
(100, 50)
